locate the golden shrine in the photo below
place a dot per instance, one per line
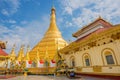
(3, 58)
(43, 58)
(51, 42)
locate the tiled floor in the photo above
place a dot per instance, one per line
(40, 77)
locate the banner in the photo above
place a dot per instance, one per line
(41, 63)
(52, 63)
(28, 64)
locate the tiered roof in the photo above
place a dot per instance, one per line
(90, 32)
(3, 53)
(2, 46)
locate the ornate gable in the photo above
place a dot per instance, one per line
(98, 25)
(3, 53)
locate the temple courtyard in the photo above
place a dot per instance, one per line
(49, 77)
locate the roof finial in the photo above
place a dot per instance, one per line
(27, 53)
(12, 54)
(99, 17)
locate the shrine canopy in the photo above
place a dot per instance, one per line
(96, 27)
(3, 53)
(2, 45)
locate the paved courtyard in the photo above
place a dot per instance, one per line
(40, 77)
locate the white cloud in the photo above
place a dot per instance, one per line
(5, 12)
(69, 24)
(23, 22)
(68, 10)
(85, 11)
(31, 33)
(11, 21)
(9, 6)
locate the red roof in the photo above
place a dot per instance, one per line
(3, 53)
(97, 21)
(95, 32)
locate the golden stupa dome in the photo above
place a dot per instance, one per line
(51, 42)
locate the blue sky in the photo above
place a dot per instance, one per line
(25, 21)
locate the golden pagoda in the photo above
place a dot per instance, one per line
(3, 58)
(12, 54)
(50, 43)
(27, 54)
(21, 54)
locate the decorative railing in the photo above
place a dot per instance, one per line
(2, 70)
(46, 70)
(115, 36)
(79, 69)
(97, 68)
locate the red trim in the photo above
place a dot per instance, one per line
(98, 21)
(30, 62)
(3, 53)
(41, 61)
(95, 32)
(53, 61)
(6, 76)
(99, 76)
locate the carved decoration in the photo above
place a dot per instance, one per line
(79, 69)
(97, 68)
(115, 36)
(92, 44)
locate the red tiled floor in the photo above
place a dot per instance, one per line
(40, 77)
(6, 76)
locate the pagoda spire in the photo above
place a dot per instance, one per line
(21, 53)
(48, 40)
(12, 53)
(27, 53)
(53, 26)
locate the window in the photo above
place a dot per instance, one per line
(73, 63)
(109, 59)
(87, 61)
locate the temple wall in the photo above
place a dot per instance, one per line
(113, 69)
(97, 60)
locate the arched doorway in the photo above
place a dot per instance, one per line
(86, 59)
(72, 61)
(108, 57)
